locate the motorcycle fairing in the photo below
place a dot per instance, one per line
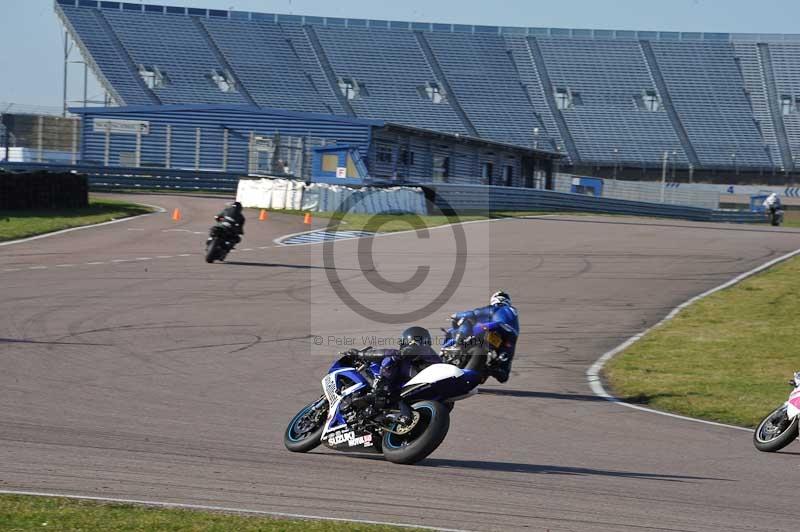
(793, 405)
(441, 381)
(332, 386)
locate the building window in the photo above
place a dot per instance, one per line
(434, 92)
(648, 101)
(223, 80)
(330, 163)
(487, 171)
(407, 157)
(508, 176)
(351, 89)
(384, 154)
(441, 168)
(788, 105)
(567, 99)
(153, 77)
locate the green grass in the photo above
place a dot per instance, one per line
(791, 219)
(726, 358)
(23, 224)
(388, 223)
(25, 513)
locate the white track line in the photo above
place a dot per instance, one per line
(158, 210)
(223, 509)
(593, 373)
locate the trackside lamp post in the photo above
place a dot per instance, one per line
(664, 175)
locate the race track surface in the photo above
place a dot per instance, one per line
(132, 369)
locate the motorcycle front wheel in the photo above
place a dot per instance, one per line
(775, 431)
(212, 250)
(413, 443)
(304, 432)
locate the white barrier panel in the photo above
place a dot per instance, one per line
(280, 194)
(332, 198)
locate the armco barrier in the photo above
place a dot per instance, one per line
(102, 178)
(471, 198)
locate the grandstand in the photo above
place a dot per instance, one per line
(627, 100)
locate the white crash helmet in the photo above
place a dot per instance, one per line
(500, 298)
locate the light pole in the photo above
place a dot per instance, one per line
(536, 138)
(616, 162)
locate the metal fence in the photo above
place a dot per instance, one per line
(672, 193)
(470, 198)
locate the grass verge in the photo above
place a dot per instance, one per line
(725, 358)
(390, 223)
(22, 224)
(24, 513)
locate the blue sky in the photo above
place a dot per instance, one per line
(31, 39)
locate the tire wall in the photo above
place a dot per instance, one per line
(43, 190)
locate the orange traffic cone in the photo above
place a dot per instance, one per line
(307, 219)
(176, 215)
(263, 216)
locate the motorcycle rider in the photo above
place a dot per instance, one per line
(397, 366)
(233, 211)
(772, 204)
(501, 317)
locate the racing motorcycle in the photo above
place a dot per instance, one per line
(471, 346)
(780, 428)
(404, 432)
(776, 217)
(221, 239)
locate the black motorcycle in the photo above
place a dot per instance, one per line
(224, 235)
(776, 216)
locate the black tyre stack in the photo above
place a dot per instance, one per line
(43, 190)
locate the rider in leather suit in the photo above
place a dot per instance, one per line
(501, 317)
(397, 365)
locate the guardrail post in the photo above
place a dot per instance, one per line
(225, 134)
(40, 139)
(168, 148)
(138, 153)
(107, 151)
(74, 143)
(198, 136)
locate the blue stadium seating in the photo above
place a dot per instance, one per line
(609, 75)
(707, 88)
(719, 93)
(392, 67)
(264, 62)
(786, 64)
(176, 46)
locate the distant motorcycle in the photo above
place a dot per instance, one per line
(780, 428)
(471, 346)
(223, 236)
(405, 432)
(776, 217)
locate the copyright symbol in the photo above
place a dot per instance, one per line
(428, 303)
(318, 340)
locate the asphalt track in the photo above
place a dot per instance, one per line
(132, 369)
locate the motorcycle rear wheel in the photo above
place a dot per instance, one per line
(297, 437)
(432, 421)
(775, 431)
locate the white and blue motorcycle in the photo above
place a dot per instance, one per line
(345, 419)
